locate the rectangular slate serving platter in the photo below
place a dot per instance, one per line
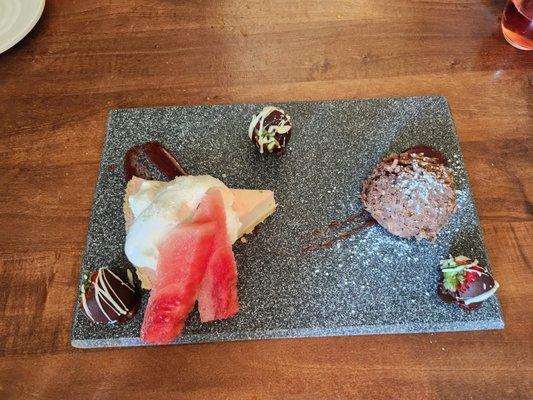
(371, 283)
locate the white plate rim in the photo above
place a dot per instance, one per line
(27, 29)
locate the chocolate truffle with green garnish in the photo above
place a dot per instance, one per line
(270, 130)
(466, 283)
(106, 297)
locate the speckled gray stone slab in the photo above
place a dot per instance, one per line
(371, 283)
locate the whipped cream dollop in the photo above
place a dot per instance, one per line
(158, 207)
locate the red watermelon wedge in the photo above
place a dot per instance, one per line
(183, 258)
(217, 298)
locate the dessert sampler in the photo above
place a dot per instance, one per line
(180, 232)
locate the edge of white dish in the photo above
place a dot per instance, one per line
(27, 29)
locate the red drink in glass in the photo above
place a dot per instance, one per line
(517, 23)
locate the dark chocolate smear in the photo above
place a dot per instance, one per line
(133, 165)
(164, 160)
(428, 151)
(136, 159)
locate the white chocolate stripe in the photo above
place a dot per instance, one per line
(123, 283)
(482, 296)
(97, 295)
(460, 267)
(111, 300)
(107, 295)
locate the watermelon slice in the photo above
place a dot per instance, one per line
(183, 258)
(217, 298)
(195, 262)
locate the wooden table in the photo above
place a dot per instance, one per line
(86, 57)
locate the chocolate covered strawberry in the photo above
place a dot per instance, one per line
(465, 282)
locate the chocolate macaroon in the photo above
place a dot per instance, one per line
(466, 283)
(411, 194)
(106, 298)
(271, 130)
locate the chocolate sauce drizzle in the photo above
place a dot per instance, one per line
(155, 153)
(361, 217)
(326, 244)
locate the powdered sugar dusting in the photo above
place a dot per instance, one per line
(410, 195)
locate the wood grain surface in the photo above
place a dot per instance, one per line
(85, 57)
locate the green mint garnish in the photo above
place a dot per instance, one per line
(452, 274)
(452, 280)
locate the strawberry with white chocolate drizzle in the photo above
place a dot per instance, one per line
(465, 282)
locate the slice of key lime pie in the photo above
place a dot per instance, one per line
(153, 208)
